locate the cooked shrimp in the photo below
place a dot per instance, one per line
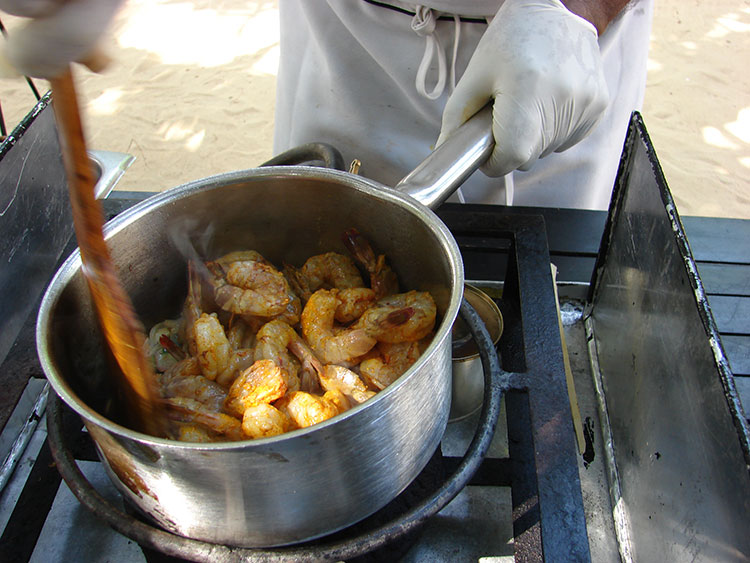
(381, 320)
(193, 433)
(353, 302)
(181, 409)
(241, 256)
(234, 366)
(250, 288)
(339, 378)
(193, 307)
(163, 356)
(393, 360)
(330, 345)
(239, 360)
(291, 313)
(338, 399)
(383, 280)
(185, 379)
(239, 334)
(262, 382)
(306, 409)
(212, 347)
(264, 420)
(324, 271)
(275, 340)
(198, 387)
(185, 367)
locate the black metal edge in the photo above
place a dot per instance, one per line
(496, 381)
(309, 153)
(564, 534)
(713, 337)
(24, 124)
(548, 515)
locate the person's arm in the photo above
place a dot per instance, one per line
(540, 64)
(598, 12)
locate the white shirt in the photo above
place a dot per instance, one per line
(348, 77)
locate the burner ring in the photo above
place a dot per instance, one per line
(171, 544)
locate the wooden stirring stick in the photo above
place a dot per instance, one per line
(122, 329)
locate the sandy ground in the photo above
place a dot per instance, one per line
(195, 96)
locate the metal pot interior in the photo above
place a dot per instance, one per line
(287, 214)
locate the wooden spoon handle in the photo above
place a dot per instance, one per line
(122, 329)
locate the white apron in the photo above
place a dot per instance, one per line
(348, 76)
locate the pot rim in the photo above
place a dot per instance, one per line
(73, 264)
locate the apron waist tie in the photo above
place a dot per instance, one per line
(423, 24)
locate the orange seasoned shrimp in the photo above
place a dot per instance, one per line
(323, 271)
(383, 280)
(338, 399)
(239, 256)
(392, 361)
(379, 319)
(198, 387)
(183, 368)
(275, 340)
(239, 360)
(239, 334)
(306, 409)
(193, 433)
(264, 420)
(184, 379)
(193, 307)
(291, 313)
(262, 382)
(332, 346)
(212, 347)
(339, 378)
(353, 302)
(249, 287)
(221, 266)
(180, 409)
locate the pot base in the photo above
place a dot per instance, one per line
(425, 484)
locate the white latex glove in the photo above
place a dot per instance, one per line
(58, 33)
(541, 64)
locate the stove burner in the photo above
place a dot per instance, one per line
(400, 520)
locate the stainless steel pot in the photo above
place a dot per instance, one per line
(309, 482)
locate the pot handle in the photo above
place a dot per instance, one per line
(311, 152)
(449, 165)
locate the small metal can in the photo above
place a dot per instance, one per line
(468, 374)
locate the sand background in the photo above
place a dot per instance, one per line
(191, 90)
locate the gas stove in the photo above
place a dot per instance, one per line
(515, 492)
(564, 477)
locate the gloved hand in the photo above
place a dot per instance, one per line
(541, 64)
(58, 33)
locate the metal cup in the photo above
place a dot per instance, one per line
(468, 377)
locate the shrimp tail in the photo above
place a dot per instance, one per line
(359, 248)
(383, 280)
(297, 282)
(169, 345)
